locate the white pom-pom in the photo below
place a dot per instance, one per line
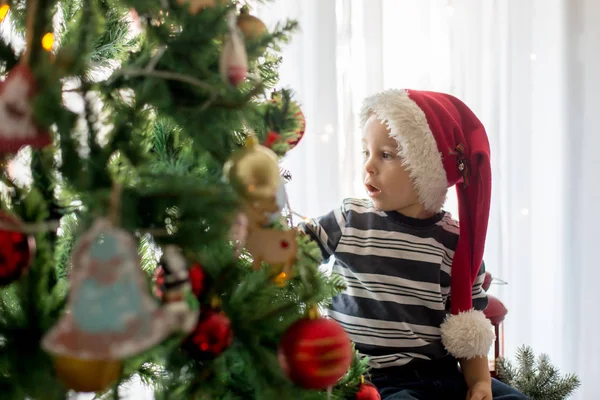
(468, 334)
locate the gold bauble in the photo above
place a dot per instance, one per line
(254, 172)
(87, 375)
(252, 27)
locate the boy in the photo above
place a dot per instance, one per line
(414, 297)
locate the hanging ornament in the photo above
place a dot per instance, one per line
(254, 172)
(17, 127)
(367, 391)
(252, 27)
(173, 273)
(16, 249)
(178, 291)
(195, 6)
(279, 98)
(315, 352)
(299, 115)
(87, 375)
(211, 337)
(275, 247)
(233, 64)
(110, 314)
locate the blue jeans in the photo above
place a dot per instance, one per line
(432, 380)
(443, 389)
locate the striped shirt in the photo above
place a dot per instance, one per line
(397, 271)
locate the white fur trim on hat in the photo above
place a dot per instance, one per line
(468, 334)
(416, 143)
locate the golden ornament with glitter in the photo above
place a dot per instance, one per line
(254, 172)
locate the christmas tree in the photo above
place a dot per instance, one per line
(154, 238)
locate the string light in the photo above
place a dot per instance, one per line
(48, 41)
(281, 279)
(4, 11)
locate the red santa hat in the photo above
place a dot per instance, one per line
(443, 144)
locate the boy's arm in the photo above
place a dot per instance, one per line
(326, 230)
(477, 370)
(477, 375)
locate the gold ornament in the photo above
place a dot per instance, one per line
(254, 171)
(87, 375)
(252, 27)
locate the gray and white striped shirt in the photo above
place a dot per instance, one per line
(397, 271)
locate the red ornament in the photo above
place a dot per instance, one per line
(367, 391)
(315, 353)
(212, 335)
(17, 127)
(301, 126)
(16, 251)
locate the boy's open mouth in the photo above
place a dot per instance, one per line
(372, 190)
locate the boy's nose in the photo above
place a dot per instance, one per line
(370, 167)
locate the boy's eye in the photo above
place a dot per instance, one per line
(365, 153)
(387, 156)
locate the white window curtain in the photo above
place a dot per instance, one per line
(529, 69)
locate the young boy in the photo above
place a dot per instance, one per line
(414, 297)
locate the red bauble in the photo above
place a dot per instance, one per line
(212, 335)
(301, 126)
(315, 353)
(367, 392)
(16, 251)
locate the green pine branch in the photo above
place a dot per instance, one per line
(536, 378)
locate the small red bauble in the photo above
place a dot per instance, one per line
(315, 353)
(212, 335)
(367, 391)
(16, 251)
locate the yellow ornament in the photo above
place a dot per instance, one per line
(87, 375)
(254, 171)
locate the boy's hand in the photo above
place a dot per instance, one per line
(481, 390)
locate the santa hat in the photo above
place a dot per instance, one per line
(443, 144)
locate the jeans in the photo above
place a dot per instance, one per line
(441, 380)
(444, 389)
